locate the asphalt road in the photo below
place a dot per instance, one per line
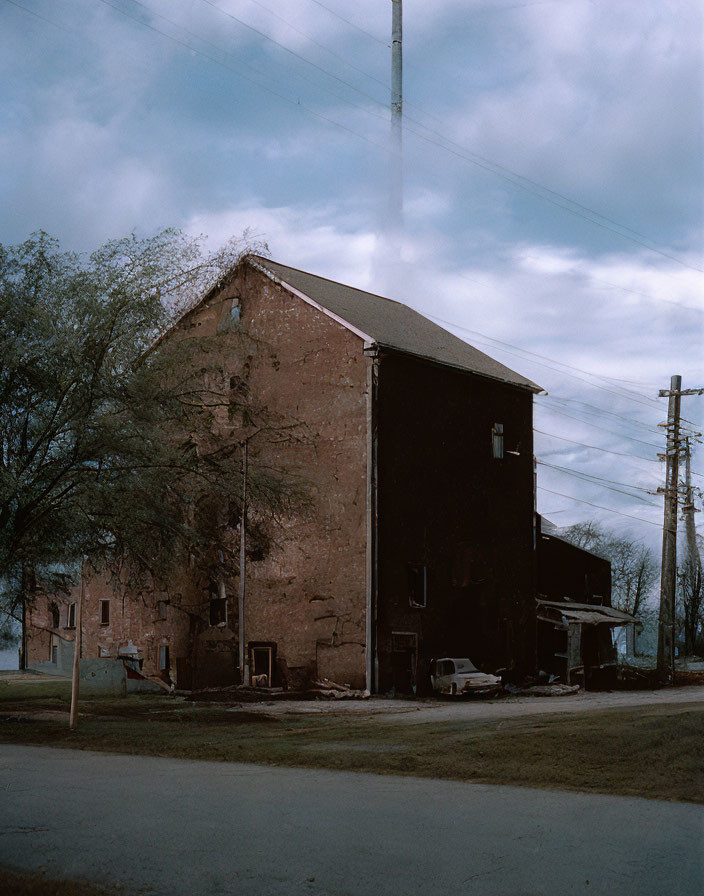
(167, 826)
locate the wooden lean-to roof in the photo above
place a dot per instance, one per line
(389, 324)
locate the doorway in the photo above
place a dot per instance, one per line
(262, 662)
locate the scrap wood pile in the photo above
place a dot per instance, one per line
(331, 690)
(542, 690)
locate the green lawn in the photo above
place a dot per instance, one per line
(651, 751)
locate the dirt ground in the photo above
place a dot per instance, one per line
(409, 712)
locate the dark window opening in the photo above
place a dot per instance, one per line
(105, 612)
(218, 611)
(497, 440)
(418, 585)
(71, 617)
(161, 609)
(54, 610)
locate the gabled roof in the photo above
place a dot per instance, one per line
(388, 323)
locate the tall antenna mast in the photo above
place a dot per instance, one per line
(396, 179)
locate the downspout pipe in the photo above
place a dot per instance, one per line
(372, 355)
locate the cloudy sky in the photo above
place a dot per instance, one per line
(553, 181)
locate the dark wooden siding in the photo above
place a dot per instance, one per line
(446, 503)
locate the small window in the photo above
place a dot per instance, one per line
(103, 652)
(105, 612)
(164, 665)
(54, 611)
(418, 585)
(497, 440)
(161, 609)
(71, 616)
(218, 611)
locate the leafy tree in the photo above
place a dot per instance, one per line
(107, 446)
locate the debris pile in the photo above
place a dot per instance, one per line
(334, 691)
(542, 690)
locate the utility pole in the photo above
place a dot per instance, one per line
(688, 508)
(244, 659)
(396, 174)
(668, 575)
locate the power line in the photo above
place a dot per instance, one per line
(241, 74)
(594, 411)
(384, 43)
(597, 413)
(495, 168)
(596, 447)
(626, 393)
(602, 428)
(520, 181)
(636, 292)
(601, 482)
(599, 506)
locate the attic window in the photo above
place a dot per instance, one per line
(497, 440)
(417, 585)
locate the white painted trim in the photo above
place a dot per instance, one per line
(368, 340)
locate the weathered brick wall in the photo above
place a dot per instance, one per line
(308, 594)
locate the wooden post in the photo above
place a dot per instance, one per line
(77, 643)
(244, 659)
(666, 628)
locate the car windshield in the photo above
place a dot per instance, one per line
(464, 666)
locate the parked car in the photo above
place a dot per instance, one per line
(461, 676)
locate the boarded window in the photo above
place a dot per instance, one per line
(497, 440)
(105, 612)
(164, 664)
(71, 616)
(418, 585)
(218, 611)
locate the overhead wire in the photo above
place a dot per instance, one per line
(219, 62)
(627, 394)
(601, 482)
(521, 182)
(552, 435)
(518, 180)
(594, 411)
(599, 506)
(602, 428)
(384, 43)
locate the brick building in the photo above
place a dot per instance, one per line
(420, 536)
